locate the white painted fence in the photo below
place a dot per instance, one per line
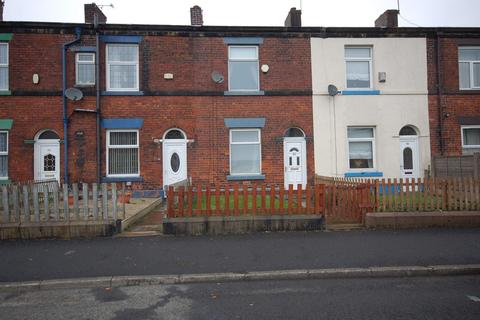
(48, 202)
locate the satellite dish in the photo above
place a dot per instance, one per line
(73, 94)
(332, 90)
(217, 77)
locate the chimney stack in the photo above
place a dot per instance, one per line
(2, 3)
(388, 19)
(294, 18)
(91, 10)
(196, 16)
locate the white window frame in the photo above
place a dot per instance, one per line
(472, 146)
(470, 63)
(370, 67)
(6, 65)
(374, 152)
(78, 62)
(249, 143)
(129, 146)
(129, 63)
(5, 153)
(258, 68)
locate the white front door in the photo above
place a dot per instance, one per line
(47, 159)
(409, 164)
(174, 161)
(295, 162)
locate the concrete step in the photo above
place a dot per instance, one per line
(344, 227)
(130, 234)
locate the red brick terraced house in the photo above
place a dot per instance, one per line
(155, 105)
(454, 90)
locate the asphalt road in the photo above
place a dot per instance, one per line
(400, 298)
(55, 259)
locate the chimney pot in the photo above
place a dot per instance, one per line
(388, 19)
(91, 10)
(294, 18)
(196, 16)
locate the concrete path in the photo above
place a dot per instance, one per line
(57, 259)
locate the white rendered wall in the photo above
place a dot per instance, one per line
(403, 100)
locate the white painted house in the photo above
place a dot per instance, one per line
(377, 125)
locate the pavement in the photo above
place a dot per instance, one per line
(42, 260)
(426, 298)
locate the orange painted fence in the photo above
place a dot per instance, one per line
(350, 203)
(338, 200)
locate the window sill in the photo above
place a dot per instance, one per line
(367, 92)
(122, 93)
(84, 85)
(245, 177)
(5, 93)
(122, 179)
(244, 93)
(5, 181)
(364, 174)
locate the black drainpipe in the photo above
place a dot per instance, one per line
(98, 116)
(439, 96)
(65, 47)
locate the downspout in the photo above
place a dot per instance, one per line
(65, 47)
(439, 98)
(97, 102)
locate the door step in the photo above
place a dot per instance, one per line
(131, 234)
(344, 227)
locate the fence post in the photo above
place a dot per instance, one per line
(254, 199)
(95, 201)
(26, 204)
(227, 200)
(114, 201)
(180, 200)
(46, 204)
(66, 207)
(476, 165)
(16, 210)
(170, 209)
(104, 201)
(56, 209)
(6, 214)
(85, 201)
(75, 201)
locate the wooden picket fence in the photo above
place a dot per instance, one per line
(338, 200)
(32, 202)
(338, 203)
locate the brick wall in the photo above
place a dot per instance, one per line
(455, 103)
(191, 59)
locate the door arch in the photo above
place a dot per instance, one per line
(409, 154)
(46, 155)
(295, 157)
(174, 152)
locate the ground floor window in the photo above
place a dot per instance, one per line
(3, 154)
(471, 138)
(122, 153)
(361, 147)
(245, 152)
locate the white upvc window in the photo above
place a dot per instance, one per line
(358, 65)
(3, 155)
(123, 153)
(471, 137)
(469, 68)
(243, 68)
(3, 66)
(361, 148)
(245, 152)
(122, 67)
(85, 69)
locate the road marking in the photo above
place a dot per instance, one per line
(473, 298)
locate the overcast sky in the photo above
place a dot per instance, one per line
(348, 13)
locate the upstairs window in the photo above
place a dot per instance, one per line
(122, 67)
(4, 66)
(469, 67)
(358, 63)
(361, 147)
(3, 154)
(243, 68)
(85, 68)
(122, 153)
